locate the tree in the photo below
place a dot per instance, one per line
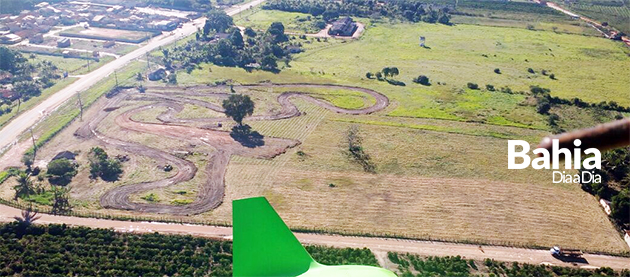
(386, 71)
(61, 171)
(10, 60)
(218, 21)
(269, 63)
(237, 39)
(61, 203)
(237, 106)
(277, 31)
(250, 32)
(172, 79)
(497, 71)
(27, 89)
(472, 86)
(139, 77)
(102, 166)
(543, 107)
(379, 75)
(28, 159)
(620, 206)
(393, 71)
(423, 80)
(369, 75)
(27, 218)
(24, 187)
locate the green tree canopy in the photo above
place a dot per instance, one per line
(237, 106)
(61, 171)
(218, 21)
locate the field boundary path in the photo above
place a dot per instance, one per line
(10, 133)
(212, 189)
(377, 245)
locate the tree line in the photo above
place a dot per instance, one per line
(60, 250)
(410, 265)
(409, 10)
(221, 43)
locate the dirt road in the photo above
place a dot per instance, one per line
(377, 245)
(252, 145)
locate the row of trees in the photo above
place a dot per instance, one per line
(60, 250)
(410, 10)
(615, 185)
(412, 265)
(253, 50)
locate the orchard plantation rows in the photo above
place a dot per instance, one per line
(59, 250)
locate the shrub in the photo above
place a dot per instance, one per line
(102, 166)
(531, 70)
(497, 71)
(472, 86)
(543, 107)
(395, 82)
(490, 87)
(61, 171)
(423, 80)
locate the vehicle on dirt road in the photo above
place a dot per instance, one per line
(559, 252)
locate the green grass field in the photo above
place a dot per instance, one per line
(259, 19)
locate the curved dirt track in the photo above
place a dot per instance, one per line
(210, 194)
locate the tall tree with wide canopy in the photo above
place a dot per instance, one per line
(238, 106)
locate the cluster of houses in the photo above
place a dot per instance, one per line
(33, 24)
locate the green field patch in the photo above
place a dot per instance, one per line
(293, 22)
(343, 98)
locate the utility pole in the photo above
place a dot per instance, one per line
(80, 105)
(116, 77)
(34, 145)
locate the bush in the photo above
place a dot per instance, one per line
(531, 70)
(102, 166)
(543, 107)
(61, 171)
(490, 87)
(423, 80)
(472, 86)
(497, 71)
(395, 82)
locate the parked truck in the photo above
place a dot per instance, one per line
(557, 251)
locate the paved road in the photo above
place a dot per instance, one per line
(11, 132)
(378, 245)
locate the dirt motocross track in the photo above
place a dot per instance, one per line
(212, 189)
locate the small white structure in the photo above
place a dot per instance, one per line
(606, 205)
(626, 237)
(422, 40)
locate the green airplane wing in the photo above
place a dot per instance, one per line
(264, 246)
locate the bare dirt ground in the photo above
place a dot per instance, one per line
(227, 144)
(378, 245)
